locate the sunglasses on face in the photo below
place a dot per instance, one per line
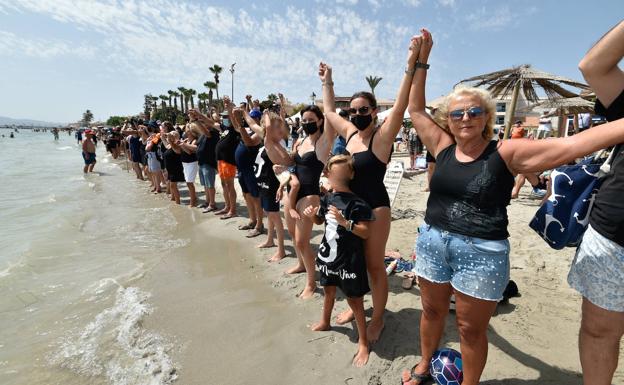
(360, 111)
(473, 112)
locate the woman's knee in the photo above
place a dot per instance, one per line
(471, 332)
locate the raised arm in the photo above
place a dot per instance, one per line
(337, 123)
(429, 132)
(600, 66)
(525, 155)
(276, 152)
(392, 125)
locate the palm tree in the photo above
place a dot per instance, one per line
(373, 81)
(175, 99)
(190, 93)
(202, 96)
(211, 86)
(182, 92)
(272, 98)
(216, 70)
(164, 99)
(170, 95)
(526, 78)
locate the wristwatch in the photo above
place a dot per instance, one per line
(350, 226)
(421, 65)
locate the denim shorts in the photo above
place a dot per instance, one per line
(207, 175)
(473, 266)
(597, 271)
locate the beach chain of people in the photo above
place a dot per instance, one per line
(331, 172)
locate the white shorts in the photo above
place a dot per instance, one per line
(597, 271)
(190, 171)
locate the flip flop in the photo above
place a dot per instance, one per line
(408, 281)
(209, 209)
(253, 233)
(248, 226)
(421, 378)
(227, 216)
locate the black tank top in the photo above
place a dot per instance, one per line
(309, 170)
(369, 172)
(471, 198)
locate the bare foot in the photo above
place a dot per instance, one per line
(345, 317)
(277, 257)
(294, 214)
(296, 269)
(307, 293)
(320, 327)
(265, 245)
(222, 211)
(373, 331)
(361, 357)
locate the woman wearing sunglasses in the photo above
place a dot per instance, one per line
(462, 247)
(371, 148)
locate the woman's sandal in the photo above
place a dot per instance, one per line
(248, 226)
(421, 378)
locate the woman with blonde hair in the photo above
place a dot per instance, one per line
(463, 247)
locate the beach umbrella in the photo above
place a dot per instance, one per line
(565, 106)
(526, 79)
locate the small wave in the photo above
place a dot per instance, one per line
(64, 148)
(116, 346)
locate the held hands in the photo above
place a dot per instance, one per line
(426, 45)
(227, 103)
(414, 50)
(325, 73)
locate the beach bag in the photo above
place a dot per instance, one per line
(563, 218)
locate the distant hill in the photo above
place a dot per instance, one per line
(4, 120)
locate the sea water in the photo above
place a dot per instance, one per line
(72, 247)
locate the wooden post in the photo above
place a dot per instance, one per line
(512, 109)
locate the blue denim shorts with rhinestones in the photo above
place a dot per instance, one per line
(474, 266)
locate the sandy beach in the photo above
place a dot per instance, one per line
(236, 318)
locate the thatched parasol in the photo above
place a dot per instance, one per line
(512, 80)
(565, 106)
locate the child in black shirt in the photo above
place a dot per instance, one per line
(341, 255)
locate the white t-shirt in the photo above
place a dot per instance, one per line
(544, 124)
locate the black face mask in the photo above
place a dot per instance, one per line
(361, 121)
(310, 128)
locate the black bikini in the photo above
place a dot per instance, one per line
(368, 177)
(309, 170)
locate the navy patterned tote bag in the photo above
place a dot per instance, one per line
(563, 218)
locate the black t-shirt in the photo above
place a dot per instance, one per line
(607, 215)
(267, 181)
(206, 149)
(227, 145)
(471, 198)
(340, 257)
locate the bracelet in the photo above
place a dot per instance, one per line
(421, 65)
(328, 83)
(410, 72)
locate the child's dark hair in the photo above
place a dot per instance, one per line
(366, 95)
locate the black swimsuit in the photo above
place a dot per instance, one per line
(367, 182)
(309, 170)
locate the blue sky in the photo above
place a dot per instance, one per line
(60, 57)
